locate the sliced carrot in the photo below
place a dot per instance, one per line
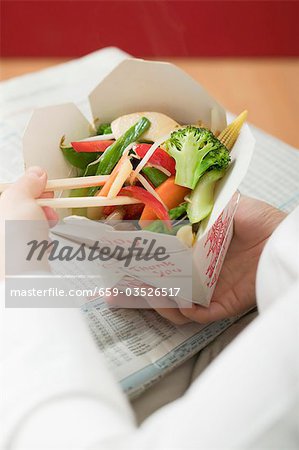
(124, 172)
(170, 193)
(96, 213)
(106, 188)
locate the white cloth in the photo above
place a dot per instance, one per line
(59, 395)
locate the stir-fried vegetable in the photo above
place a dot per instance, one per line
(170, 193)
(107, 186)
(104, 128)
(185, 235)
(155, 176)
(157, 226)
(159, 158)
(178, 211)
(195, 150)
(202, 198)
(79, 160)
(150, 188)
(133, 212)
(147, 157)
(123, 173)
(186, 162)
(149, 200)
(91, 146)
(111, 156)
(113, 185)
(160, 125)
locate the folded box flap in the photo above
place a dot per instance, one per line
(137, 85)
(43, 134)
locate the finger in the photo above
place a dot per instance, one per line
(31, 185)
(49, 194)
(51, 215)
(204, 315)
(168, 309)
(173, 315)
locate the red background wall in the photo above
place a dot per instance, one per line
(150, 28)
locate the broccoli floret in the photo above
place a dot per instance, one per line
(104, 128)
(195, 151)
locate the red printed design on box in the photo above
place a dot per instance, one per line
(216, 240)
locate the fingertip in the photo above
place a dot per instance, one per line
(37, 176)
(51, 216)
(197, 313)
(36, 171)
(33, 183)
(48, 194)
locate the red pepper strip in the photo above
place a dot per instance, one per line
(149, 200)
(91, 146)
(159, 158)
(133, 212)
(107, 210)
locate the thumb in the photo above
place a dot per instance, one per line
(32, 184)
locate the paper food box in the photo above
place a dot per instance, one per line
(137, 85)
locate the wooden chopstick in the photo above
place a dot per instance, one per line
(68, 183)
(86, 202)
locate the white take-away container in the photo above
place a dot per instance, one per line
(137, 85)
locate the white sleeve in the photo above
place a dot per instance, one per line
(278, 268)
(59, 395)
(58, 391)
(248, 398)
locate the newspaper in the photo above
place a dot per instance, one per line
(139, 345)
